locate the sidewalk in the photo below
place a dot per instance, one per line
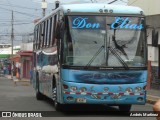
(152, 95)
(23, 81)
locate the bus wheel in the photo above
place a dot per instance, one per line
(125, 108)
(39, 96)
(57, 105)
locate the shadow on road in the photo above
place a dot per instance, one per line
(84, 110)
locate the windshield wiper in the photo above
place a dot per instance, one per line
(118, 57)
(120, 48)
(94, 56)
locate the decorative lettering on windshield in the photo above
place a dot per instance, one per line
(125, 23)
(82, 22)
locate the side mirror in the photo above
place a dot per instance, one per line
(155, 38)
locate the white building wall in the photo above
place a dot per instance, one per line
(150, 7)
(27, 47)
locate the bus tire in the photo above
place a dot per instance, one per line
(57, 105)
(125, 108)
(39, 96)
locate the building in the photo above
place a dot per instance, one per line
(150, 7)
(6, 50)
(26, 59)
(152, 12)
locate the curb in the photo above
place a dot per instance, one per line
(150, 101)
(18, 80)
(22, 80)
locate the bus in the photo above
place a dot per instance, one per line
(91, 54)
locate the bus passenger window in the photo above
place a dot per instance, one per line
(46, 34)
(54, 30)
(37, 44)
(43, 34)
(40, 39)
(50, 32)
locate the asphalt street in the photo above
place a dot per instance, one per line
(22, 98)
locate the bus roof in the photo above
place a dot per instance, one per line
(95, 8)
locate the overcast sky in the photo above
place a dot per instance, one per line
(25, 12)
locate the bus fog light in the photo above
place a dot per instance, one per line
(139, 99)
(65, 86)
(138, 89)
(70, 98)
(83, 89)
(73, 88)
(129, 90)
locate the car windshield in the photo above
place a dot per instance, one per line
(106, 41)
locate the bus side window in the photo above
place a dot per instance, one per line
(35, 39)
(40, 30)
(54, 30)
(37, 44)
(50, 32)
(43, 34)
(46, 34)
(52, 59)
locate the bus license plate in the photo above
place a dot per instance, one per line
(81, 100)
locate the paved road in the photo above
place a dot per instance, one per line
(22, 98)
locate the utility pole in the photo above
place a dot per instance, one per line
(12, 33)
(43, 6)
(12, 38)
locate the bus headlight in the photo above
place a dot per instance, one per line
(106, 89)
(129, 90)
(138, 89)
(83, 89)
(73, 88)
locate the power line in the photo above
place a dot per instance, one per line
(20, 7)
(113, 1)
(17, 20)
(27, 14)
(5, 24)
(133, 2)
(3, 21)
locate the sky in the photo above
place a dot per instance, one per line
(25, 12)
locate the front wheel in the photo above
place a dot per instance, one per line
(57, 105)
(125, 108)
(39, 96)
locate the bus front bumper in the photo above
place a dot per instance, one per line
(79, 93)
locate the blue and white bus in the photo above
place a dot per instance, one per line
(91, 54)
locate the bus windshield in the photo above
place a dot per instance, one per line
(104, 41)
